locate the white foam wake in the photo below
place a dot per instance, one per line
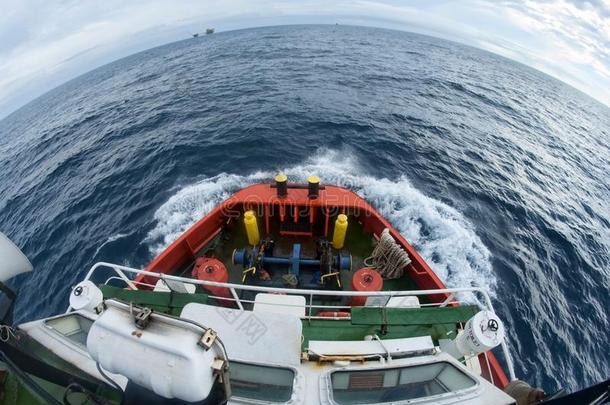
(445, 239)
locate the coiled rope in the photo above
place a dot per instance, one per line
(6, 333)
(388, 257)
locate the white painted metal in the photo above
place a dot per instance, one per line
(403, 302)
(366, 348)
(477, 336)
(86, 295)
(280, 304)
(377, 301)
(67, 349)
(164, 358)
(311, 384)
(447, 300)
(252, 337)
(483, 393)
(12, 260)
(176, 286)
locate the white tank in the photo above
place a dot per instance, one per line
(12, 260)
(165, 357)
(482, 332)
(86, 295)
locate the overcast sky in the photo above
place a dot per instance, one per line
(44, 43)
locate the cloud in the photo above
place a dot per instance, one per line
(574, 32)
(46, 43)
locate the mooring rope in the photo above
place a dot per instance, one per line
(6, 333)
(388, 257)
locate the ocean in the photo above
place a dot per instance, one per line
(498, 174)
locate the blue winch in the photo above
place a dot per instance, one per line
(250, 257)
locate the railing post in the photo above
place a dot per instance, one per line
(236, 298)
(310, 305)
(125, 278)
(447, 301)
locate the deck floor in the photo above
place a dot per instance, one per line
(358, 244)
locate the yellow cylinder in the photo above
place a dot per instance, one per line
(251, 228)
(281, 185)
(340, 231)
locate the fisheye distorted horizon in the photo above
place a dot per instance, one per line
(45, 44)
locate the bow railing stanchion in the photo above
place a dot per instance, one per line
(447, 301)
(236, 297)
(125, 278)
(310, 305)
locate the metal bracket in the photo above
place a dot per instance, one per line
(245, 273)
(100, 308)
(208, 339)
(142, 318)
(221, 370)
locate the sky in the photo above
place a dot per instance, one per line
(44, 43)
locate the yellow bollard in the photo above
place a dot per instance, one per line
(251, 227)
(313, 184)
(340, 231)
(281, 184)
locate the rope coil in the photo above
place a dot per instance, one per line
(388, 257)
(7, 333)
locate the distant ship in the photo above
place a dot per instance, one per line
(208, 31)
(283, 293)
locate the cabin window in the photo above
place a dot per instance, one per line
(263, 383)
(397, 384)
(74, 326)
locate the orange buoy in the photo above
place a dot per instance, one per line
(209, 269)
(365, 279)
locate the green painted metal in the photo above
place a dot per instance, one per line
(412, 316)
(339, 330)
(166, 302)
(390, 323)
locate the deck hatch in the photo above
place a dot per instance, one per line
(73, 326)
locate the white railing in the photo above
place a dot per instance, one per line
(452, 294)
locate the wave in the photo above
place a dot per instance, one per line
(441, 234)
(110, 240)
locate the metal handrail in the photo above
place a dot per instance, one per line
(233, 288)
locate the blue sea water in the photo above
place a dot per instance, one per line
(496, 172)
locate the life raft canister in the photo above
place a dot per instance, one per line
(365, 279)
(209, 269)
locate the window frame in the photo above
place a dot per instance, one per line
(450, 394)
(247, 400)
(65, 338)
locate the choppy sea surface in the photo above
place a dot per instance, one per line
(497, 173)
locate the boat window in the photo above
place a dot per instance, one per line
(397, 384)
(73, 326)
(262, 383)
